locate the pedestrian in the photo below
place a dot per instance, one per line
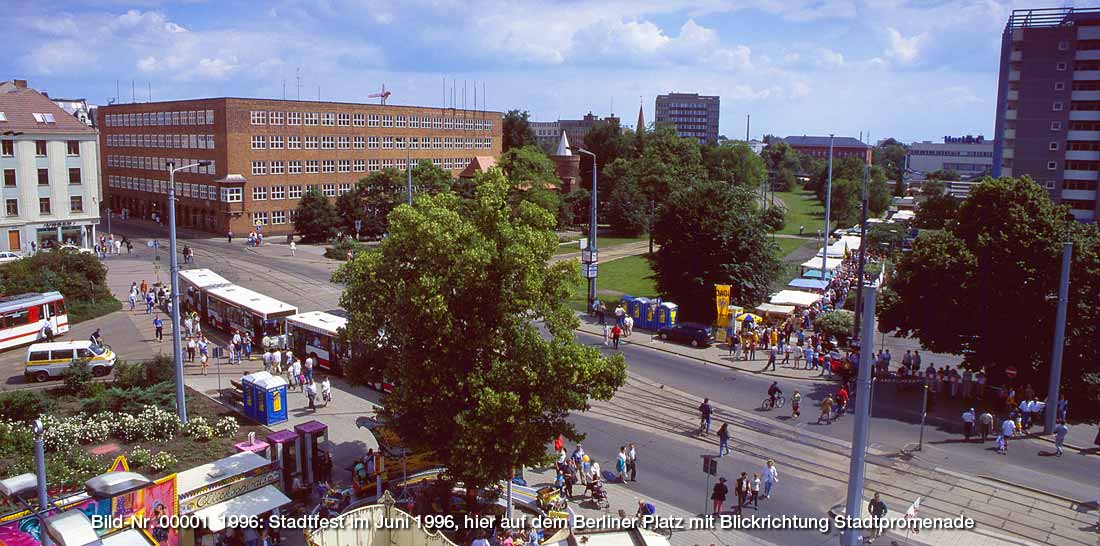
(267, 361)
(718, 495)
(308, 369)
(771, 359)
(723, 439)
(296, 371)
(735, 345)
(237, 340)
(191, 349)
(293, 247)
(202, 363)
(628, 325)
(159, 325)
(968, 419)
(1008, 428)
(601, 311)
(632, 462)
(246, 340)
(1060, 431)
(619, 314)
(704, 416)
(785, 348)
(606, 334)
(326, 391)
(149, 302)
(132, 298)
(204, 345)
(826, 410)
(311, 394)
(754, 491)
(620, 464)
(229, 236)
(616, 333)
(129, 247)
(877, 509)
(186, 254)
(985, 424)
(771, 477)
(796, 400)
(741, 488)
(1063, 407)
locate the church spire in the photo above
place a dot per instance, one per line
(641, 119)
(563, 145)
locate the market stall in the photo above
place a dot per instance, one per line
(808, 284)
(797, 298)
(773, 311)
(831, 264)
(241, 485)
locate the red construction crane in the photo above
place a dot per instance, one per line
(383, 95)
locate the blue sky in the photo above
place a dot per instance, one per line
(915, 70)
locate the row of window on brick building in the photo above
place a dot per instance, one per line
(295, 142)
(313, 166)
(344, 119)
(230, 194)
(160, 119)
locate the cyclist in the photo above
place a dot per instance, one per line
(645, 509)
(95, 338)
(773, 392)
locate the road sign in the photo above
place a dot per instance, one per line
(588, 271)
(583, 242)
(358, 225)
(1010, 372)
(710, 465)
(590, 256)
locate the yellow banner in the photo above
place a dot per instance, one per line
(722, 300)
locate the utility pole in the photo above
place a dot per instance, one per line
(852, 537)
(1059, 340)
(593, 261)
(862, 247)
(828, 205)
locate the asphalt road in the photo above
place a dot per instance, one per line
(892, 426)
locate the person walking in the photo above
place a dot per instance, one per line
(229, 236)
(796, 400)
(968, 419)
(735, 346)
(632, 462)
(704, 416)
(1008, 428)
(132, 296)
(723, 439)
(616, 333)
(1060, 431)
(159, 325)
(718, 495)
(246, 341)
(754, 491)
(191, 350)
(202, 363)
(308, 369)
(296, 372)
(826, 410)
(620, 464)
(628, 325)
(985, 425)
(741, 488)
(877, 509)
(149, 302)
(237, 342)
(204, 346)
(311, 394)
(771, 477)
(771, 359)
(601, 311)
(293, 247)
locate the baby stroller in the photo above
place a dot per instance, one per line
(599, 496)
(550, 500)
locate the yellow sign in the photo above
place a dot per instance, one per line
(276, 402)
(722, 301)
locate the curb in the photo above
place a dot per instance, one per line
(1029, 488)
(833, 512)
(701, 359)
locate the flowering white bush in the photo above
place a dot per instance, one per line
(127, 428)
(139, 456)
(199, 429)
(227, 426)
(162, 461)
(60, 434)
(95, 429)
(157, 424)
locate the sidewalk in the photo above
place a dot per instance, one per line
(717, 353)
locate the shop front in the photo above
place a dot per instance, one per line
(225, 494)
(81, 233)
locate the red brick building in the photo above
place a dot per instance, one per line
(265, 154)
(818, 146)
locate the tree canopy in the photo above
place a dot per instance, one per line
(316, 219)
(710, 233)
(736, 164)
(444, 310)
(516, 130)
(985, 287)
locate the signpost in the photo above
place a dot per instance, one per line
(358, 225)
(710, 468)
(1010, 372)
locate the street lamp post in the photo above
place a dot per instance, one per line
(174, 272)
(1059, 340)
(591, 273)
(828, 205)
(40, 472)
(862, 248)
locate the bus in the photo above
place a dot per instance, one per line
(317, 334)
(193, 286)
(235, 308)
(23, 318)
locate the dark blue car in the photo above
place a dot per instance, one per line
(692, 333)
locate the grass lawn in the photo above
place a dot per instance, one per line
(786, 246)
(603, 242)
(803, 209)
(82, 311)
(623, 276)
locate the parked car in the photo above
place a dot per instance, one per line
(50, 360)
(6, 257)
(693, 333)
(75, 248)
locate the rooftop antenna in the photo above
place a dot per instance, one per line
(612, 107)
(284, 88)
(118, 92)
(150, 84)
(318, 93)
(298, 78)
(444, 91)
(133, 91)
(483, 107)
(475, 95)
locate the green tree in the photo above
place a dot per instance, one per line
(774, 218)
(710, 233)
(890, 155)
(316, 219)
(735, 163)
(783, 163)
(991, 276)
(627, 209)
(516, 130)
(456, 288)
(532, 178)
(948, 175)
(575, 206)
(936, 212)
(608, 142)
(846, 206)
(430, 178)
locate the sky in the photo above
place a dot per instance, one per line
(914, 70)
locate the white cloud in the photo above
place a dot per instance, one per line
(830, 58)
(902, 49)
(216, 68)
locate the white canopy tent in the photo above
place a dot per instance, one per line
(831, 264)
(794, 297)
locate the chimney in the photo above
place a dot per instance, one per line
(20, 83)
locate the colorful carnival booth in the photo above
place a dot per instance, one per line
(241, 485)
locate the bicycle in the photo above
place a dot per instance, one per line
(767, 404)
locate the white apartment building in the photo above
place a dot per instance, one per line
(50, 166)
(969, 156)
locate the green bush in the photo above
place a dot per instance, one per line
(80, 276)
(339, 249)
(139, 457)
(162, 461)
(132, 400)
(774, 218)
(77, 377)
(838, 323)
(23, 406)
(129, 375)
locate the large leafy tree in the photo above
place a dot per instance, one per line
(516, 130)
(316, 219)
(710, 233)
(985, 288)
(445, 310)
(846, 205)
(608, 142)
(783, 163)
(735, 163)
(532, 178)
(890, 154)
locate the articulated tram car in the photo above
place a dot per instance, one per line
(193, 286)
(318, 334)
(23, 318)
(235, 308)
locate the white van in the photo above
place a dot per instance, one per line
(49, 360)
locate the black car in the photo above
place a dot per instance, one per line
(698, 335)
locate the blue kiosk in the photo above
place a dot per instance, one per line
(264, 397)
